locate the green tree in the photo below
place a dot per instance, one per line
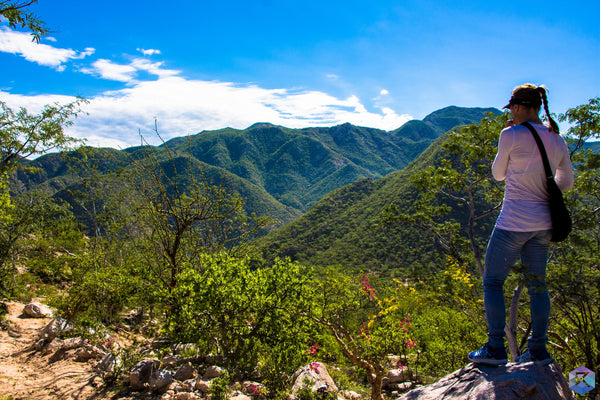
(574, 268)
(183, 214)
(458, 199)
(23, 134)
(460, 192)
(31, 213)
(17, 14)
(368, 323)
(252, 317)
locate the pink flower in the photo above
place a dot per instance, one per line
(369, 291)
(314, 366)
(411, 343)
(313, 349)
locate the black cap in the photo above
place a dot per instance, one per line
(534, 100)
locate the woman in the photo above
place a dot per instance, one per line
(523, 228)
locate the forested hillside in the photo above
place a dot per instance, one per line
(345, 228)
(281, 172)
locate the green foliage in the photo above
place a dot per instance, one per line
(445, 336)
(101, 287)
(219, 388)
(246, 314)
(449, 320)
(23, 134)
(460, 184)
(17, 14)
(185, 215)
(573, 269)
(368, 322)
(30, 213)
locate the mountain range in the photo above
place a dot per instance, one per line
(280, 171)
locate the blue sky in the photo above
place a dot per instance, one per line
(202, 65)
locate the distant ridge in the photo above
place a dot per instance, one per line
(339, 228)
(281, 171)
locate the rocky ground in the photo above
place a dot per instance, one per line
(34, 369)
(27, 374)
(36, 365)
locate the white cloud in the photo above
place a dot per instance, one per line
(148, 52)
(108, 69)
(183, 107)
(384, 92)
(142, 64)
(20, 43)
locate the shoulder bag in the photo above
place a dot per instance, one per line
(561, 219)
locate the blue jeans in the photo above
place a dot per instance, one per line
(504, 248)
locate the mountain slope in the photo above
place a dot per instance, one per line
(340, 229)
(344, 227)
(281, 171)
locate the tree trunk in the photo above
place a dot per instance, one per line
(376, 381)
(511, 328)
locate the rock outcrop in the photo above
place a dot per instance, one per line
(315, 378)
(512, 381)
(36, 310)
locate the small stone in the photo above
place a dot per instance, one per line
(160, 381)
(212, 372)
(186, 371)
(350, 395)
(171, 361)
(202, 386)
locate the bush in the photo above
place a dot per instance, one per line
(446, 335)
(253, 317)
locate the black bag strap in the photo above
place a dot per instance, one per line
(549, 174)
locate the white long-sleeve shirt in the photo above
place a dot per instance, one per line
(519, 163)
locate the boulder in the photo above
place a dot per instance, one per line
(212, 372)
(89, 352)
(237, 395)
(185, 372)
(54, 328)
(202, 386)
(512, 381)
(160, 381)
(36, 310)
(395, 375)
(317, 377)
(141, 372)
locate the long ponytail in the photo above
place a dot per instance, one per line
(553, 125)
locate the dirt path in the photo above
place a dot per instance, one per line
(27, 374)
